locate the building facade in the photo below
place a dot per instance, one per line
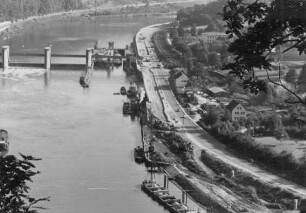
(181, 80)
(210, 37)
(236, 110)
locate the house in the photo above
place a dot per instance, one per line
(236, 110)
(216, 92)
(210, 37)
(190, 39)
(181, 79)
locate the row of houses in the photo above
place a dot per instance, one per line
(206, 37)
(235, 108)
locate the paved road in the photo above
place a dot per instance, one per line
(199, 137)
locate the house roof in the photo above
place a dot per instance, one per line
(232, 105)
(179, 74)
(216, 89)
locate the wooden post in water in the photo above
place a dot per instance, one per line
(47, 57)
(5, 56)
(88, 58)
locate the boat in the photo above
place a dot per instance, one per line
(123, 91)
(139, 154)
(117, 59)
(163, 197)
(4, 143)
(132, 91)
(126, 109)
(134, 105)
(82, 82)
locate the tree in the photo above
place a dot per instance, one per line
(259, 28)
(214, 59)
(291, 76)
(302, 80)
(212, 27)
(200, 31)
(193, 30)
(280, 133)
(14, 175)
(199, 70)
(181, 31)
(211, 118)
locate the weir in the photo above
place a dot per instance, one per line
(92, 58)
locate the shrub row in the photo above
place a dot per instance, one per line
(246, 146)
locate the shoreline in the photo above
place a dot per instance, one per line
(38, 21)
(34, 23)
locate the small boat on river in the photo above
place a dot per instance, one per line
(139, 154)
(83, 83)
(123, 91)
(132, 91)
(4, 143)
(126, 109)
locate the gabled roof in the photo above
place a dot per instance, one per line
(179, 74)
(232, 105)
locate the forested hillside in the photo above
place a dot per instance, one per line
(201, 14)
(16, 9)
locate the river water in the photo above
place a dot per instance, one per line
(85, 142)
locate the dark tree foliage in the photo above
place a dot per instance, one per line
(258, 28)
(15, 9)
(193, 30)
(291, 76)
(14, 176)
(302, 80)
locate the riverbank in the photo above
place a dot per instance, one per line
(107, 11)
(237, 190)
(194, 177)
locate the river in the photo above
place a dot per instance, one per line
(85, 142)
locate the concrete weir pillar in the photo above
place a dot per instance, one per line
(5, 56)
(47, 57)
(88, 58)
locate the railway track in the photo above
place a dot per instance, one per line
(163, 49)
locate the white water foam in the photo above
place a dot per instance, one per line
(21, 74)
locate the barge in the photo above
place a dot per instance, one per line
(163, 197)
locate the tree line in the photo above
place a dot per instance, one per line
(16, 9)
(200, 14)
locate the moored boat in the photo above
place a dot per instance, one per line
(126, 109)
(4, 143)
(163, 197)
(139, 154)
(82, 82)
(123, 91)
(132, 91)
